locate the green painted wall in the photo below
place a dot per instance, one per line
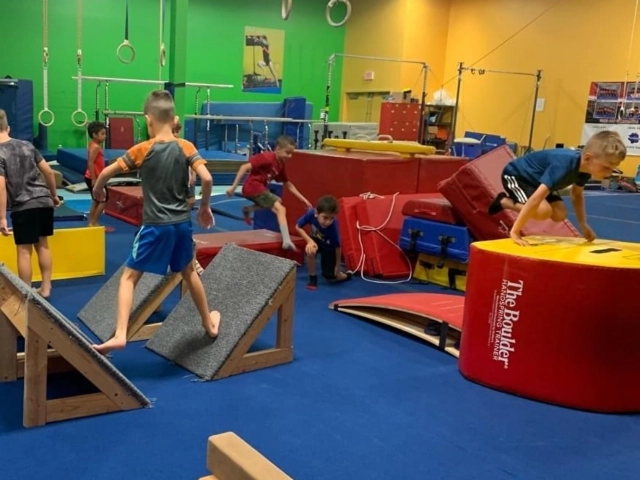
(214, 52)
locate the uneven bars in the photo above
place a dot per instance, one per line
(123, 112)
(382, 59)
(266, 119)
(506, 72)
(324, 115)
(150, 82)
(121, 80)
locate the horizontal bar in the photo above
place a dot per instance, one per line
(527, 74)
(121, 80)
(9, 81)
(247, 119)
(207, 85)
(123, 112)
(382, 59)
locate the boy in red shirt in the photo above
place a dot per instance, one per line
(262, 169)
(95, 165)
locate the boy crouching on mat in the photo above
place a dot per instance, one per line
(165, 237)
(191, 200)
(28, 187)
(262, 169)
(325, 238)
(532, 182)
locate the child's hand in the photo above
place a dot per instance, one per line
(588, 233)
(205, 217)
(99, 194)
(518, 239)
(311, 248)
(56, 201)
(4, 228)
(231, 192)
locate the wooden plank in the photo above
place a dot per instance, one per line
(79, 406)
(8, 350)
(236, 362)
(231, 458)
(14, 308)
(35, 380)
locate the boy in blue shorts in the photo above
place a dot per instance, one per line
(532, 182)
(165, 237)
(324, 238)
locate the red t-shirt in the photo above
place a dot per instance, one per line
(264, 169)
(98, 164)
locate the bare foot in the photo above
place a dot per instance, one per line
(342, 277)
(507, 203)
(44, 294)
(116, 343)
(212, 324)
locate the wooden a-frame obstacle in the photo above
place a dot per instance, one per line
(24, 313)
(99, 314)
(181, 338)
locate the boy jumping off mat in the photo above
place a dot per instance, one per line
(532, 182)
(165, 237)
(262, 169)
(28, 187)
(325, 239)
(97, 131)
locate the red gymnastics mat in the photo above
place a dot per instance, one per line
(434, 317)
(209, 244)
(125, 203)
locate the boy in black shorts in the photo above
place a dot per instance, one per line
(28, 187)
(324, 238)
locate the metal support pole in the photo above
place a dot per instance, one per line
(454, 124)
(327, 99)
(535, 108)
(423, 104)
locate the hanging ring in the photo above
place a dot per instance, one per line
(163, 55)
(45, 55)
(124, 46)
(79, 118)
(286, 9)
(44, 113)
(333, 3)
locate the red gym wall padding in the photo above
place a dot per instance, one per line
(125, 203)
(436, 168)
(346, 174)
(121, 133)
(557, 332)
(474, 187)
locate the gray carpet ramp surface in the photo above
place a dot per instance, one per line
(239, 284)
(99, 315)
(74, 333)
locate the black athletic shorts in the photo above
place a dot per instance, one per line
(32, 224)
(519, 190)
(88, 182)
(327, 259)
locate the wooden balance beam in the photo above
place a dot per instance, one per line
(231, 458)
(25, 314)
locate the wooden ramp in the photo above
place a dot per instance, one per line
(247, 288)
(24, 313)
(99, 314)
(231, 458)
(434, 317)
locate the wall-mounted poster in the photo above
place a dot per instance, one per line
(263, 60)
(613, 102)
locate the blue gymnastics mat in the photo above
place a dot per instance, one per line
(67, 214)
(75, 159)
(229, 206)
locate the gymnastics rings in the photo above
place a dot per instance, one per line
(286, 9)
(126, 46)
(79, 118)
(43, 114)
(333, 3)
(163, 55)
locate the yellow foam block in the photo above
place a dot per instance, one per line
(407, 149)
(426, 270)
(600, 253)
(76, 252)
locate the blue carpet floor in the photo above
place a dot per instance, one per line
(359, 402)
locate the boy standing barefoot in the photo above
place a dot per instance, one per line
(165, 238)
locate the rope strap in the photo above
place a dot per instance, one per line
(125, 46)
(46, 117)
(286, 9)
(79, 116)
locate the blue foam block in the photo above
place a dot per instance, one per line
(75, 159)
(16, 99)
